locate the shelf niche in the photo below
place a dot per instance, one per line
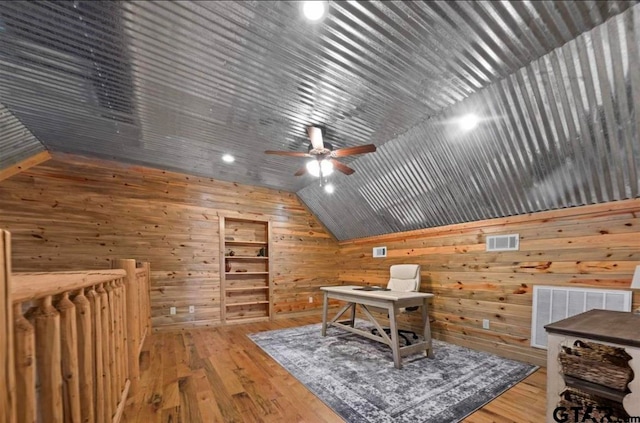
(245, 269)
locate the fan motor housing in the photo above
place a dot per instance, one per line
(327, 146)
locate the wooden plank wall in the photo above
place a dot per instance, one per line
(76, 213)
(591, 246)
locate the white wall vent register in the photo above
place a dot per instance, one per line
(379, 251)
(509, 242)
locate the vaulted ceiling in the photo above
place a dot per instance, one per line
(175, 85)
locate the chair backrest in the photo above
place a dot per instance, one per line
(404, 277)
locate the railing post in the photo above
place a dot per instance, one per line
(123, 329)
(118, 320)
(133, 320)
(8, 407)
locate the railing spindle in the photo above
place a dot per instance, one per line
(47, 325)
(96, 338)
(106, 351)
(69, 350)
(25, 360)
(85, 355)
(113, 369)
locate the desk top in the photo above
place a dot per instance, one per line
(617, 327)
(386, 295)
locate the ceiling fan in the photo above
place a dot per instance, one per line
(324, 155)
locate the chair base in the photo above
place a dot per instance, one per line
(402, 334)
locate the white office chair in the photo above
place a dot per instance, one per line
(406, 278)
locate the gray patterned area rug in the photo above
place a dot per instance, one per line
(356, 378)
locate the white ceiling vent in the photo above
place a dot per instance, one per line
(509, 242)
(379, 251)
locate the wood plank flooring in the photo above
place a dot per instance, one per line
(219, 375)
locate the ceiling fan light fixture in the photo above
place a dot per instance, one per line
(314, 167)
(313, 10)
(329, 188)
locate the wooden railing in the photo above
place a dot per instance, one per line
(73, 341)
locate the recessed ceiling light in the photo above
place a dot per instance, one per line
(470, 121)
(329, 188)
(313, 10)
(228, 158)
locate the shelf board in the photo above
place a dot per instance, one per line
(245, 273)
(594, 388)
(247, 303)
(245, 258)
(246, 243)
(244, 319)
(247, 288)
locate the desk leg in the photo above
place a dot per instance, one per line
(353, 315)
(395, 345)
(427, 329)
(325, 310)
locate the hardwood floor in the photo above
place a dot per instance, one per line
(219, 375)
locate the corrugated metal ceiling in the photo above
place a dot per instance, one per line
(175, 85)
(17, 143)
(560, 132)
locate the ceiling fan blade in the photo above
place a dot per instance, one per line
(315, 135)
(350, 151)
(342, 167)
(301, 171)
(289, 153)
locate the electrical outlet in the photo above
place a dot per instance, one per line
(192, 309)
(310, 299)
(172, 310)
(485, 323)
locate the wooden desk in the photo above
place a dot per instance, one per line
(392, 301)
(615, 328)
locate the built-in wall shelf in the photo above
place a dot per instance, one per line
(245, 319)
(245, 258)
(248, 288)
(246, 303)
(245, 245)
